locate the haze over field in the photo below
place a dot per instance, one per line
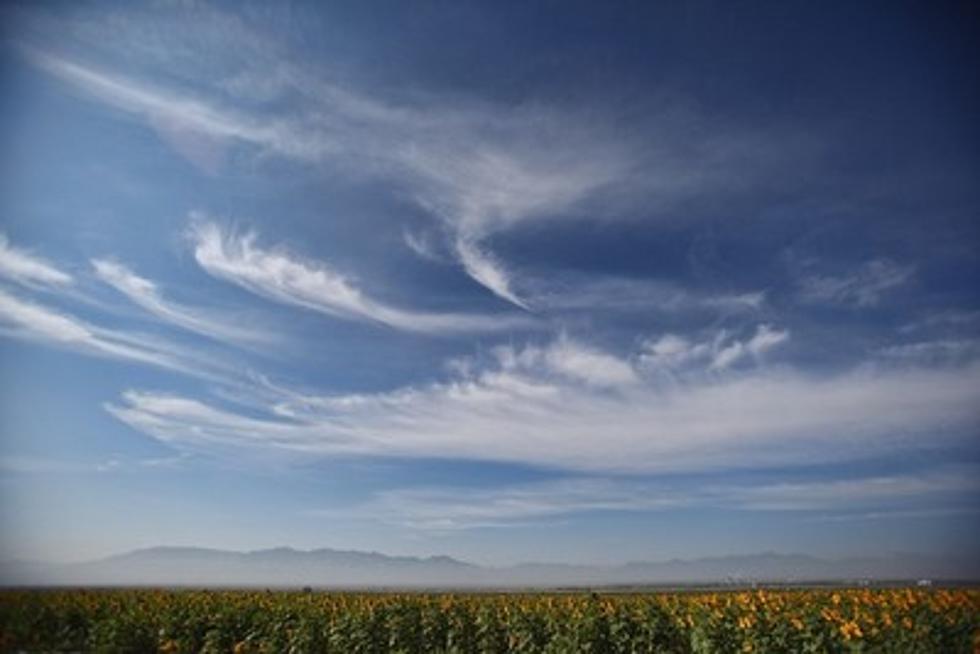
(285, 567)
(574, 283)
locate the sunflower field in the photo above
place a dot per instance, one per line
(247, 622)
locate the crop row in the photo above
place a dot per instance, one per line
(247, 622)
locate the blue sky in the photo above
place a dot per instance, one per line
(586, 282)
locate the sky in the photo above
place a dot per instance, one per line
(547, 281)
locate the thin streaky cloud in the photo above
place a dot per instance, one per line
(422, 245)
(862, 287)
(285, 277)
(948, 324)
(153, 104)
(477, 168)
(453, 507)
(567, 291)
(30, 321)
(520, 409)
(753, 300)
(676, 354)
(898, 514)
(897, 490)
(764, 339)
(572, 360)
(146, 294)
(486, 270)
(27, 268)
(944, 350)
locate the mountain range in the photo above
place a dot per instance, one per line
(287, 567)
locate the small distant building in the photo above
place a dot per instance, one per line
(924, 583)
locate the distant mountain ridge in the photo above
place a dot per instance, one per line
(281, 554)
(325, 567)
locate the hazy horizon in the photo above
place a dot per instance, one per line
(568, 283)
(328, 568)
(287, 549)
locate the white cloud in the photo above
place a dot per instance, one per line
(479, 168)
(466, 508)
(286, 277)
(740, 301)
(522, 407)
(579, 362)
(672, 352)
(571, 291)
(935, 351)
(422, 245)
(26, 268)
(43, 323)
(30, 321)
(675, 354)
(486, 270)
(178, 112)
(954, 318)
(859, 493)
(571, 360)
(479, 187)
(451, 508)
(146, 294)
(863, 287)
(728, 355)
(764, 339)
(159, 414)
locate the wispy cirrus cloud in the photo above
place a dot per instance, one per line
(30, 320)
(897, 491)
(536, 405)
(569, 359)
(674, 354)
(764, 339)
(564, 291)
(453, 508)
(942, 350)
(146, 294)
(35, 322)
(478, 168)
(944, 325)
(422, 245)
(29, 269)
(487, 270)
(158, 106)
(862, 287)
(475, 185)
(288, 278)
(479, 186)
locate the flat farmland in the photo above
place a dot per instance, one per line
(239, 621)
